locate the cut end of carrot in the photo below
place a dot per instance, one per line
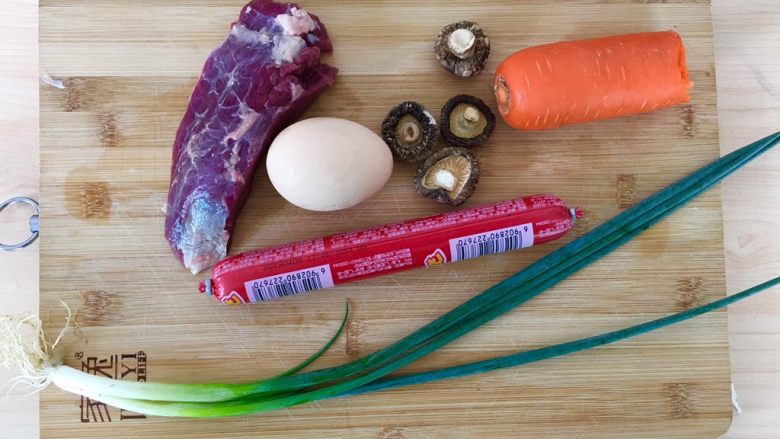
(503, 95)
(682, 61)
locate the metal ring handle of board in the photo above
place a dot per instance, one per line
(34, 223)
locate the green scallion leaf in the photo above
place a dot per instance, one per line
(557, 350)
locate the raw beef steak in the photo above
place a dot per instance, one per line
(263, 77)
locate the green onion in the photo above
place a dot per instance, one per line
(78, 382)
(257, 404)
(308, 361)
(557, 350)
(288, 389)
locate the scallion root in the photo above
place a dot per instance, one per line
(23, 345)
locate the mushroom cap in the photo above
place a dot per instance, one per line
(448, 176)
(410, 131)
(462, 48)
(467, 121)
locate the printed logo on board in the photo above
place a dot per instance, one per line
(436, 258)
(117, 366)
(233, 299)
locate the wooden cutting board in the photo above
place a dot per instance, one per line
(128, 68)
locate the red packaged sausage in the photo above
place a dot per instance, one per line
(315, 264)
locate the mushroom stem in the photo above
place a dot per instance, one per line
(462, 43)
(410, 132)
(471, 114)
(445, 179)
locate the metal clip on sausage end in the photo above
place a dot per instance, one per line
(206, 287)
(34, 223)
(576, 213)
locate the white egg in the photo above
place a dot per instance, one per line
(326, 163)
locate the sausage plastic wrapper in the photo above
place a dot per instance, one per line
(304, 266)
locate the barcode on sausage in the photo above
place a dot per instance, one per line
(289, 284)
(492, 242)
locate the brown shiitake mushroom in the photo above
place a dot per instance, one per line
(449, 176)
(467, 121)
(410, 131)
(462, 48)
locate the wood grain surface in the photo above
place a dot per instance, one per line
(748, 108)
(105, 157)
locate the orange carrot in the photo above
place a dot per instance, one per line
(571, 82)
